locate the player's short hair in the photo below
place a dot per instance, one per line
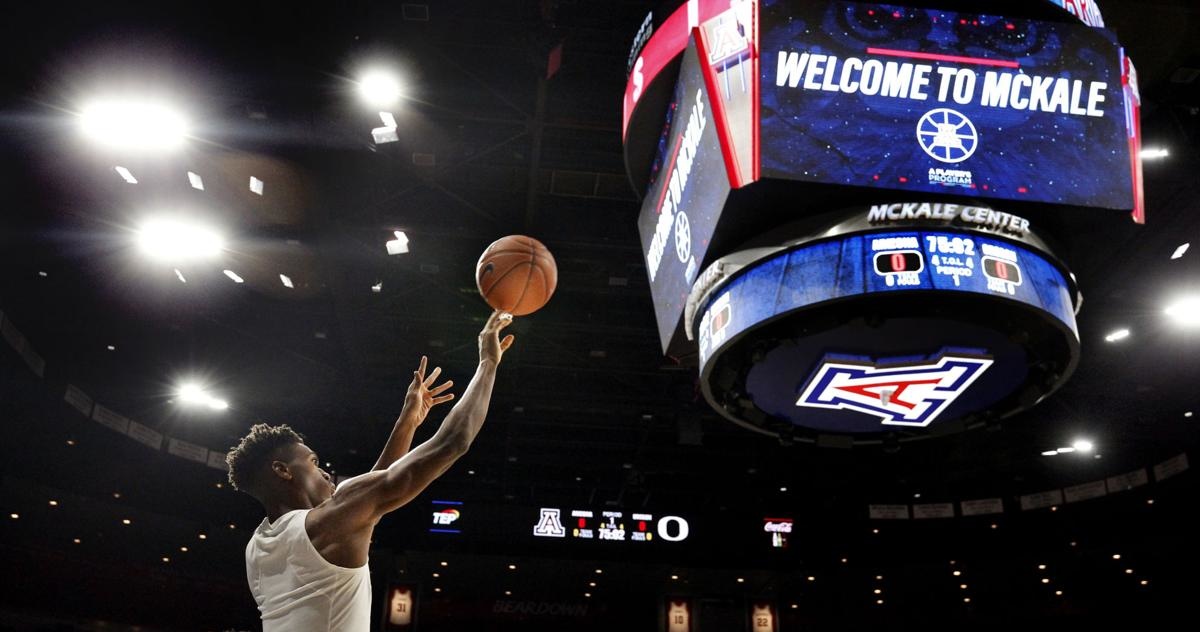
(245, 461)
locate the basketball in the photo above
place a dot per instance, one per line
(516, 274)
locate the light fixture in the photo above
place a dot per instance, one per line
(1144, 582)
(1185, 311)
(164, 239)
(599, 571)
(133, 125)
(183, 549)
(1045, 580)
(379, 88)
(445, 564)
(1041, 567)
(1050, 453)
(1154, 153)
(203, 536)
(1058, 592)
(592, 584)
(126, 174)
(741, 580)
(233, 276)
(1180, 251)
(962, 586)
(14, 516)
(1066, 450)
(674, 577)
(1119, 334)
(1116, 556)
(1129, 571)
(192, 394)
(126, 521)
(783, 489)
(195, 180)
(878, 591)
(286, 281)
(399, 245)
(54, 503)
(1083, 445)
(956, 573)
(811, 578)
(256, 186)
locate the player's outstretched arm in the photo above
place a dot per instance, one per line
(359, 503)
(421, 396)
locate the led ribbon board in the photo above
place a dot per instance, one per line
(886, 96)
(911, 369)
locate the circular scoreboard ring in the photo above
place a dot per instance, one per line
(907, 332)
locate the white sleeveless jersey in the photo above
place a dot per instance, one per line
(297, 589)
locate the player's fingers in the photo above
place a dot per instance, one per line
(421, 367)
(504, 320)
(437, 370)
(507, 342)
(442, 399)
(441, 388)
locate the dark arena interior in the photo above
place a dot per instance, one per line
(862, 320)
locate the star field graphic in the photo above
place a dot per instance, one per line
(847, 137)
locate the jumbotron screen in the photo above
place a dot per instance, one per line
(875, 95)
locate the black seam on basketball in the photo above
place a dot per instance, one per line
(508, 250)
(525, 289)
(502, 276)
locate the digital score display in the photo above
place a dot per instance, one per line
(884, 96)
(609, 525)
(884, 262)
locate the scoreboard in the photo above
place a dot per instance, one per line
(848, 206)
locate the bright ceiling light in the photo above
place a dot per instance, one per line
(192, 394)
(1180, 251)
(1185, 311)
(256, 186)
(286, 281)
(125, 174)
(1119, 334)
(1153, 153)
(136, 125)
(379, 88)
(175, 240)
(1050, 453)
(1066, 450)
(195, 180)
(233, 276)
(399, 245)
(1083, 445)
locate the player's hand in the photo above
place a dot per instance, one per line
(491, 347)
(422, 395)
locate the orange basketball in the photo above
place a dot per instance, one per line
(516, 274)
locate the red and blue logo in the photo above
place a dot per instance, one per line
(898, 391)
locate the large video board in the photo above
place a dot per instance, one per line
(688, 189)
(874, 95)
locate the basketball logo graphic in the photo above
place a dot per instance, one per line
(683, 237)
(947, 135)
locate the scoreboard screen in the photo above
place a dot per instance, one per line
(883, 96)
(883, 262)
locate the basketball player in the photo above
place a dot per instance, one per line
(307, 561)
